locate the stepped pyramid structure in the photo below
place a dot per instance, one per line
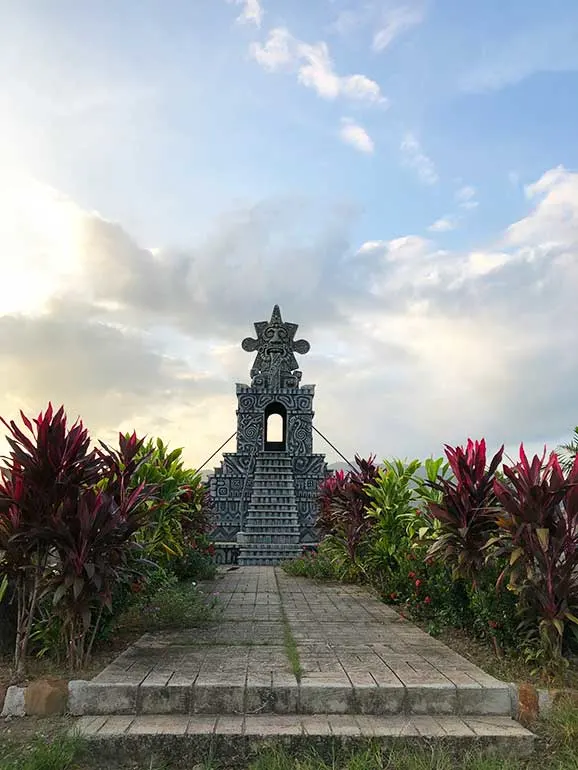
(265, 492)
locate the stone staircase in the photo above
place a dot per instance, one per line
(271, 529)
(230, 688)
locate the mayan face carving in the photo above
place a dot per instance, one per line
(275, 365)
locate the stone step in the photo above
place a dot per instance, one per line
(267, 519)
(257, 508)
(239, 738)
(259, 518)
(281, 464)
(262, 548)
(266, 484)
(314, 694)
(254, 540)
(272, 509)
(258, 528)
(254, 526)
(264, 561)
(259, 557)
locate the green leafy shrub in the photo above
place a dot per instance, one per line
(182, 517)
(343, 502)
(390, 512)
(312, 564)
(425, 590)
(196, 562)
(494, 611)
(174, 606)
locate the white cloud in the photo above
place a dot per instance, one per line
(252, 12)
(453, 313)
(443, 225)
(422, 345)
(355, 135)
(466, 197)
(347, 21)
(314, 68)
(394, 22)
(278, 52)
(385, 20)
(482, 263)
(554, 222)
(415, 158)
(510, 59)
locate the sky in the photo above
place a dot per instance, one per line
(400, 177)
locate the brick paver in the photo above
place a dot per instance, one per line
(356, 656)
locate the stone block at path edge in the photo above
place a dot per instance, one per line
(14, 702)
(46, 697)
(91, 698)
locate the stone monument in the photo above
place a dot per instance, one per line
(265, 493)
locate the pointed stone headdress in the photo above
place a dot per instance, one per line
(275, 364)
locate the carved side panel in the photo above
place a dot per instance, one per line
(237, 464)
(231, 494)
(309, 472)
(300, 434)
(250, 429)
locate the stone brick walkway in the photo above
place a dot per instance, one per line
(357, 658)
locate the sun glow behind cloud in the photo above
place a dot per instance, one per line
(41, 233)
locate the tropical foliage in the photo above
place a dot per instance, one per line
(463, 542)
(538, 533)
(81, 526)
(175, 533)
(464, 509)
(567, 452)
(343, 502)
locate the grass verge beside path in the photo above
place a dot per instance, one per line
(182, 605)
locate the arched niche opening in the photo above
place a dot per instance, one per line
(275, 428)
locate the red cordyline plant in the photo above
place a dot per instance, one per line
(66, 515)
(538, 530)
(464, 511)
(93, 539)
(43, 476)
(343, 501)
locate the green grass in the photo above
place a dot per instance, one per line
(291, 648)
(59, 754)
(174, 607)
(418, 759)
(316, 566)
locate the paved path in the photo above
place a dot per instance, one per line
(356, 656)
(308, 664)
